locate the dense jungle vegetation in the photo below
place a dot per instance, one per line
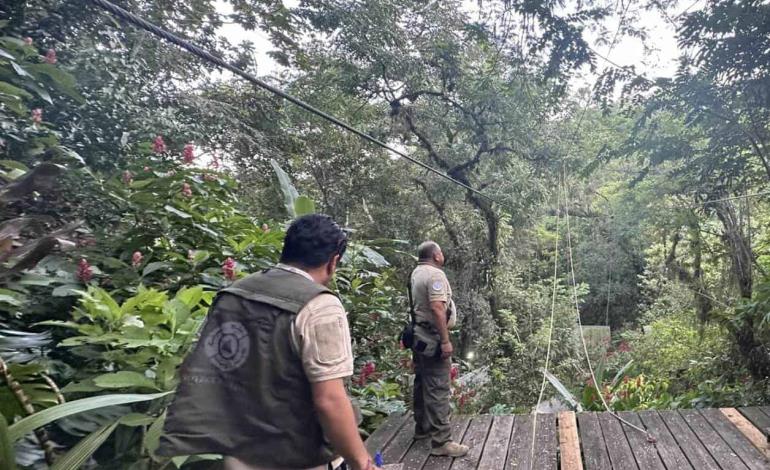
(136, 180)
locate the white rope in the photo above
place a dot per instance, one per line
(550, 333)
(650, 438)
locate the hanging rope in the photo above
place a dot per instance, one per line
(606, 406)
(550, 334)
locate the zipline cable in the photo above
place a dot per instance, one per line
(650, 438)
(203, 54)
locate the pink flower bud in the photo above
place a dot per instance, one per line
(28, 41)
(37, 115)
(186, 190)
(453, 373)
(191, 255)
(128, 177)
(50, 56)
(209, 177)
(84, 272)
(188, 154)
(158, 145)
(228, 269)
(147, 168)
(265, 228)
(136, 259)
(214, 163)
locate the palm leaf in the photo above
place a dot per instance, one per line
(6, 447)
(41, 418)
(75, 458)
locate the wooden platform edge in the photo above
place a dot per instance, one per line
(754, 435)
(569, 442)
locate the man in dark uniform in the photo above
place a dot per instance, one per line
(434, 312)
(264, 386)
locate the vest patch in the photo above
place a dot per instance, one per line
(227, 347)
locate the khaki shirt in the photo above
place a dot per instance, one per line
(429, 284)
(321, 337)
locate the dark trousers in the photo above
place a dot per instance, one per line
(431, 398)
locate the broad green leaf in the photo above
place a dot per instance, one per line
(76, 457)
(124, 379)
(7, 456)
(57, 78)
(155, 266)
(177, 212)
(26, 425)
(11, 90)
(152, 437)
(20, 71)
(303, 205)
(136, 419)
(6, 55)
(290, 193)
(67, 290)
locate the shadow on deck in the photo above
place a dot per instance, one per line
(712, 439)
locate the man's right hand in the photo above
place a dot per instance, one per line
(446, 350)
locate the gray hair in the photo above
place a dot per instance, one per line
(426, 250)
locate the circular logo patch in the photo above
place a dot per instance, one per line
(438, 285)
(227, 347)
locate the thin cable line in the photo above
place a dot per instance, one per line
(550, 333)
(203, 54)
(650, 438)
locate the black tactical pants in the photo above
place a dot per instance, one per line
(431, 398)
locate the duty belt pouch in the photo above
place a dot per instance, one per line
(426, 341)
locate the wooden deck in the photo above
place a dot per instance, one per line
(709, 439)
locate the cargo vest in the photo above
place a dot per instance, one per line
(243, 392)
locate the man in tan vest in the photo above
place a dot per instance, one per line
(264, 385)
(434, 312)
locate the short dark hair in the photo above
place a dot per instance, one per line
(426, 250)
(312, 241)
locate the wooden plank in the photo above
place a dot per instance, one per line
(569, 444)
(496, 448)
(417, 455)
(644, 451)
(753, 434)
(592, 442)
(475, 438)
(751, 456)
(719, 449)
(382, 435)
(668, 449)
(758, 418)
(546, 442)
(692, 447)
(618, 447)
(395, 450)
(442, 462)
(521, 444)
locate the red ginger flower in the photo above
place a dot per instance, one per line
(228, 269)
(188, 154)
(453, 372)
(158, 145)
(186, 190)
(37, 115)
(366, 371)
(136, 259)
(215, 163)
(50, 56)
(85, 272)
